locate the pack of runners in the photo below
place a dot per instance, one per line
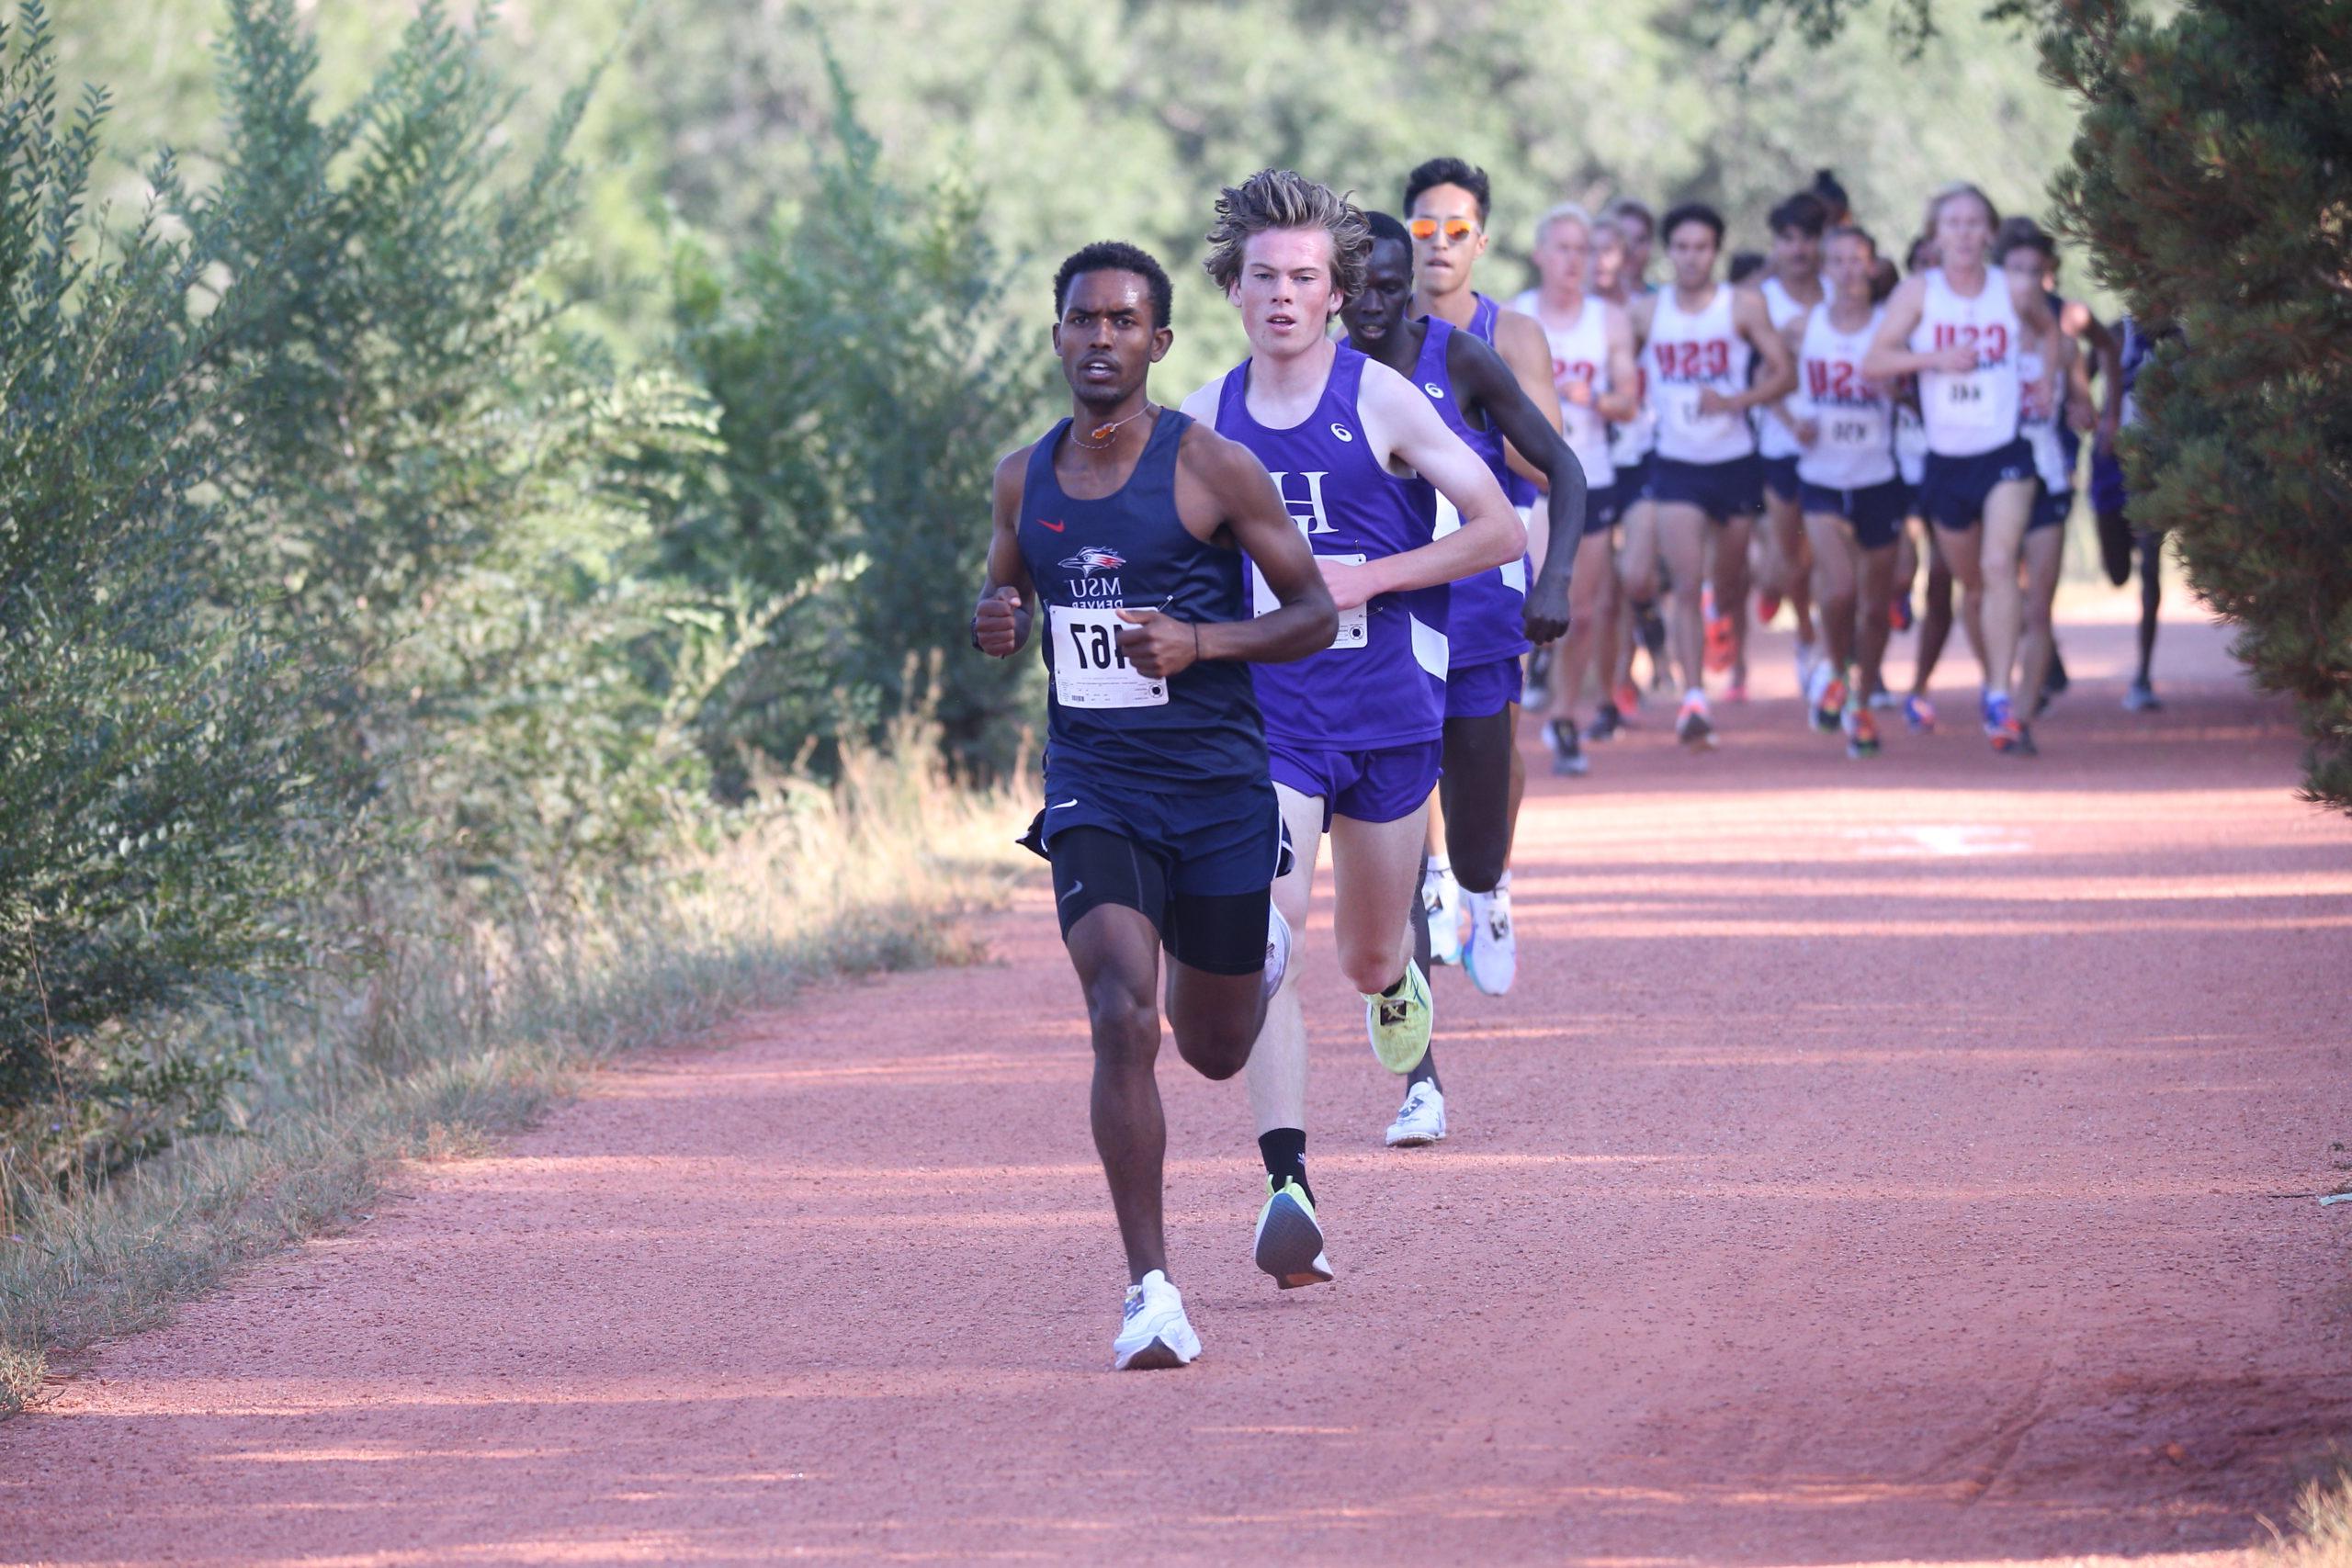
(1306, 605)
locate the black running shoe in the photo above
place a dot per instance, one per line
(1605, 723)
(1568, 755)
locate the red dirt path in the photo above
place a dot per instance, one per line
(1876, 1162)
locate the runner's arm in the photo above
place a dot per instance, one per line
(1752, 319)
(1891, 354)
(1402, 427)
(1007, 603)
(1501, 394)
(1520, 340)
(2042, 323)
(1621, 403)
(1793, 335)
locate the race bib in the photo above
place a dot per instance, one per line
(1355, 628)
(1090, 670)
(1967, 403)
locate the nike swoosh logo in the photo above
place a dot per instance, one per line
(1075, 889)
(1060, 805)
(1052, 527)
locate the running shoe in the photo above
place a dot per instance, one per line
(1735, 690)
(1539, 670)
(1277, 949)
(1651, 627)
(1862, 731)
(1567, 751)
(1442, 897)
(2054, 679)
(1883, 699)
(2143, 698)
(1399, 1024)
(1420, 1119)
(1693, 725)
(1628, 703)
(1919, 714)
(1606, 721)
(1154, 1334)
(1767, 606)
(2001, 728)
(1290, 1243)
(1898, 613)
(1824, 696)
(1491, 957)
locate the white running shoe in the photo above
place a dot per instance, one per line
(1154, 1333)
(1809, 661)
(1277, 949)
(1883, 698)
(1442, 897)
(1421, 1119)
(1491, 959)
(1815, 685)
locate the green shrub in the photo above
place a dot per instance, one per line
(163, 793)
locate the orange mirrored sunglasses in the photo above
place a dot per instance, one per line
(1456, 229)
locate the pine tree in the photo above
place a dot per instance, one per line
(2212, 178)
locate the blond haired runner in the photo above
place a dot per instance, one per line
(1354, 732)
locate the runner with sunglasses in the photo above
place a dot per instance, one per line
(1353, 733)
(1128, 522)
(1447, 203)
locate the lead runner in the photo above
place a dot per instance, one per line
(1128, 521)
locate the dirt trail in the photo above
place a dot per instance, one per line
(1877, 1162)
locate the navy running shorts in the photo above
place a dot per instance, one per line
(1781, 478)
(1481, 690)
(1722, 490)
(1876, 512)
(2051, 508)
(1633, 483)
(1601, 508)
(1223, 842)
(1379, 785)
(1952, 490)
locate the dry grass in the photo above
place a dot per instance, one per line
(474, 1026)
(2322, 1532)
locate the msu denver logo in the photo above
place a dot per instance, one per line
(1086, 563)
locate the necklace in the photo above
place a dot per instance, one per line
(1102, 435)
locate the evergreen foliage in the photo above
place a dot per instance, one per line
(163, 793)
(2213, 179)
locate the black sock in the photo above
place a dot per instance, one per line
(1284, 1151)
(1426, 1073)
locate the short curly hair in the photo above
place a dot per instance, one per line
(1118, 256)
(1280, 198)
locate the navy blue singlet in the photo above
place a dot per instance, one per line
(1106, 722)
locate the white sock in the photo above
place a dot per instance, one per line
(1440, 865)
(1695, 695)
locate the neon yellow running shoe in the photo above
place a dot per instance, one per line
(1399, 1024)
(1290, 1242)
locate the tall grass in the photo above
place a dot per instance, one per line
(471, 1026)
(2323, 1524)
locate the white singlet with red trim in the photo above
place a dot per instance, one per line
(1773, 438)
(1853, 444)
(1690, 353)
(1579, 353)
(1976, 411)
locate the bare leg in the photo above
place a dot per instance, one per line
(1791, 578)
(1682, 541)
(1277, 1073)
(1935, 615)
(1116, 953)
(2007, 509)
(1731, 580)
(2045, 550)
(1835, 583)
(2152, 598)
(1591, 616)
(1876, 617)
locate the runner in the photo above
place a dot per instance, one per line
(2029, 256)
(1481, 402)
(1617, 278)
(1354, 732)
(2118, 537)
(1792, 290)
(1447, 204)
(1961, 329)
(1911, 458)
(1854, 498)
(1591, 344)
(1127, 521)
(1700, 338)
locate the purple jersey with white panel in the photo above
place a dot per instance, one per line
(1488, 621)
(1382, 681)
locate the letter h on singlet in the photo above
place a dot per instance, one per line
(1311, 521)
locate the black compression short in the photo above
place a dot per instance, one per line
(1217, 933)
